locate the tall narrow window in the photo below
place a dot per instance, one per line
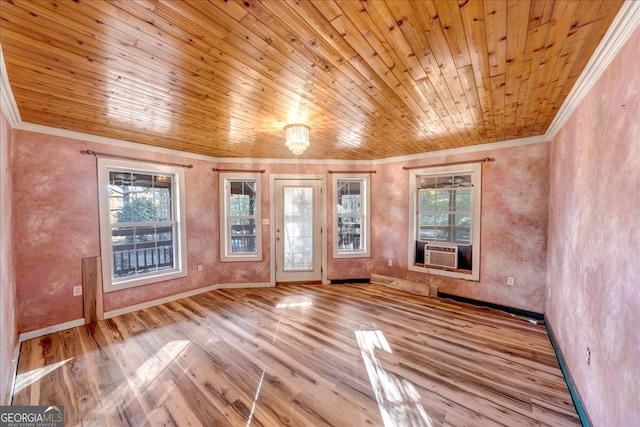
(446, 222)
(351, 219)
(141, 228)
(240, 217)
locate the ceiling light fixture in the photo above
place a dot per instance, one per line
(297, 138)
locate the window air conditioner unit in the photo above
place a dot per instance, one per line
(441, 255)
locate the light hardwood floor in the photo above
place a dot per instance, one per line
(343, 355)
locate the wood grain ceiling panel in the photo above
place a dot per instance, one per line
(372, 79)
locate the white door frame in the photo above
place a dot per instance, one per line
(323, 219)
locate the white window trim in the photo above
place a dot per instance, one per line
(225, 245)
(475, 170)
(180, 270)
(365, 252)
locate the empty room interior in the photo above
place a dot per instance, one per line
(325, 212)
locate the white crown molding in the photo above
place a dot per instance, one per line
(63, 133)
(295, 161)
(623, 26)
(464, 150)
(112, 142)
(7, 101)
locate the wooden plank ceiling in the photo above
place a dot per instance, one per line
(372, 79)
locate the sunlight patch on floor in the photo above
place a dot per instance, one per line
(398, 399)
(28, 378)
(140, 380)
(293, 304)
(255, 400)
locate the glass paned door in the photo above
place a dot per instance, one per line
(298, 230)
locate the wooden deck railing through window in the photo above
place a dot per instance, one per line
(146, 249)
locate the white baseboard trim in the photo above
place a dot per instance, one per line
(50, 329)
(124, 310)
(152, 303)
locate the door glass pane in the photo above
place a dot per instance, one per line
(298, 228)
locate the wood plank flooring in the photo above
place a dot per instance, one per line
(342, 355)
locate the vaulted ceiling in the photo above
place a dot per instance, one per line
(372, 79)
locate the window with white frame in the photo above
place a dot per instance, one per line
(351, 217)
(445, 221)
(142, 226)
(240, 238)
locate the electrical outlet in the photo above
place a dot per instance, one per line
(390, 262)
(549, 292)
(199, 267)
(510, 281)
(77, 291)
(588, 357)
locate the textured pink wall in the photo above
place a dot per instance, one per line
(513, 226)
(338, 269)
(8, 328)
(56, 195)
(594, 241)
(54, 200)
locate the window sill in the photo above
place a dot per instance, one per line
(144, 280)
(241, 258)
(347, 255)
(447, 272)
